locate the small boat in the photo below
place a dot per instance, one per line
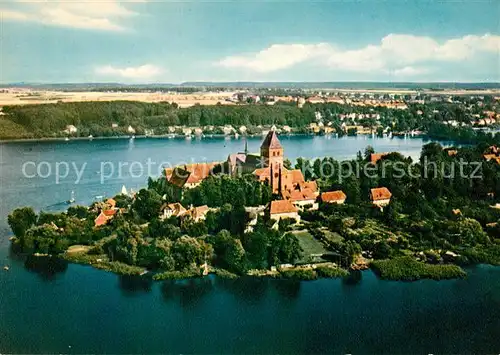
(99, 197)
(124, 191)
(6, 268)
(91, 137)
(66, 139)
(72, 198)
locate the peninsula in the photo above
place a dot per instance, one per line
(256, 215)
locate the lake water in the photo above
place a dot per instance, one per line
(61, 308)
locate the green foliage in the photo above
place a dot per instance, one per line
(408, 269)
(20, 220)
(331, 272)
(299, 274)
(147, 204)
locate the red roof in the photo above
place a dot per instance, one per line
(332, 196)
(109, 213)
(111, 202)
(375, 157)
(189, 174)
(297, 176)
(380, 193)
(104, 217)
(282, 206)
(302, 195)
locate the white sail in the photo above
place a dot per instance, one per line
(124, 190)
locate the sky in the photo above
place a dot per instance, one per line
(155, 41)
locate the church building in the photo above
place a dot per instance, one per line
(269, 168)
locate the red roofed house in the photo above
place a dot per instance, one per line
(302, 198)
(375, 157)
(111, 202)
(189, 175)
(283, 209)
(337, 197)
(380, 196)
(172, 209)
(104, 217)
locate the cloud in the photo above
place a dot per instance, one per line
(409, 71)
(277, 56)
(89, 14)
(145, 71)
(396, 54)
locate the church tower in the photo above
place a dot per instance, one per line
(271, 154)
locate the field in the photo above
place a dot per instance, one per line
(28, 96)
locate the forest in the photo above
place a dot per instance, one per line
(107, 119)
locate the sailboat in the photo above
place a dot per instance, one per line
(124, 190)
(72, 198)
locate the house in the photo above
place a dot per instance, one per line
(283, 209)
(380, 196)
(189, 175)
(302, 198)
(172, 209)
(111, 202)
(197, 214)
(70, 129)
(451, 152)
(104, 217)
(315, 100)
(375, 157)
(337, 197)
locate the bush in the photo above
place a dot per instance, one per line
(299, 274)
(331, 272)
(174, 275)
(408, 269)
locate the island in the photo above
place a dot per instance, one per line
(254, 214)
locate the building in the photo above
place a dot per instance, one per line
(375, 157)
(197, 214)
(274, 173)
(172, 209)
(104, 217)
(337, 197)
(380, 196)
(302, 198)
(70, 129)
(189, 175)
(283, 209)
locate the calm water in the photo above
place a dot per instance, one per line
(60, 308)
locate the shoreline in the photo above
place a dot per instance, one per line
(182, 136)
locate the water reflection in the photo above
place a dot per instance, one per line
(47, 267)
(247, 289)
(187, 292)
(134, 284)
(355, 277)
(287, 289)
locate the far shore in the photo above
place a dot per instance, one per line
(175, 136)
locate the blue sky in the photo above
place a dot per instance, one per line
(175, 41)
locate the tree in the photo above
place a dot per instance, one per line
(351, 249)
(368, 152)
(290, 249)
(188, 252)
(78, 211)
(147, 204)
(20, 220)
